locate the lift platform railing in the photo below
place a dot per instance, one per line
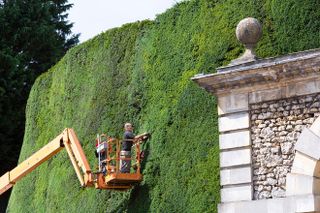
(114, 159)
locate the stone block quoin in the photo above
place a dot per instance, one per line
(304, 176)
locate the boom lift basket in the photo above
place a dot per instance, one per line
(114, 178)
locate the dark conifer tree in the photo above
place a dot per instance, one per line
(34, 35)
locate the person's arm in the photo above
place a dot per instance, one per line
(141, 137)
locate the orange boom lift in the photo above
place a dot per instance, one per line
(111, 178)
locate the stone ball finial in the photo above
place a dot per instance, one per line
(248, 32)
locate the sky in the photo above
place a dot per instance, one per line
(95, 16)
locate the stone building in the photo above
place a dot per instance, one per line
(269, 129)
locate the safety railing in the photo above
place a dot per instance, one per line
(116, 159)
(113, 160)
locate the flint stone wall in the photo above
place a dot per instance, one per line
(275, 128)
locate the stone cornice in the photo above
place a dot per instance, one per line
(282, 69)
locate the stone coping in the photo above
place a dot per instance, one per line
(264, 71)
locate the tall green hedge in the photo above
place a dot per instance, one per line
(141, 73)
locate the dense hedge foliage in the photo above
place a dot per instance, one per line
(141, 73)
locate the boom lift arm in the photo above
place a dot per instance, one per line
(112, 179)
(67, 139)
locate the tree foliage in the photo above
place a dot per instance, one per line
(34, 35)
(141, 73)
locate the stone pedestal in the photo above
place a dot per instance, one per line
(269, 133)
